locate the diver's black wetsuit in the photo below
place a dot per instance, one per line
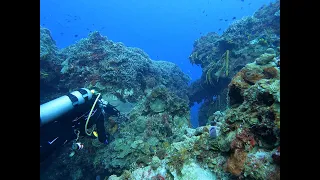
(62, 130)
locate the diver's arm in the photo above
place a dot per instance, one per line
(102, 136)
(107, 110)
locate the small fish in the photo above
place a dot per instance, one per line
(203, 11)
(242, 0)
(65, 142)
(76, 35)
(219, 29)
(214, 98)
(226, 20)
(220, 19)
(234, 18)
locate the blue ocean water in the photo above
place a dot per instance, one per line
(165, 29)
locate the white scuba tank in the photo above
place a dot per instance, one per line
(59, 106)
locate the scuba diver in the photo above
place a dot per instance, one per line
(68, 117)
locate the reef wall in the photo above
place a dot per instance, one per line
(222, 57)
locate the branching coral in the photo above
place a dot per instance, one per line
(227, 62)
(208, 74)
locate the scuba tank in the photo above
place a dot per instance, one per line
(55, 108)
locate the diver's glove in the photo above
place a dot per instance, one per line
(108, 108)
(111, 110)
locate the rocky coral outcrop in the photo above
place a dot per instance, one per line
(156, 142)
(155, 123)
(222, 57)
(111, 67)
(49, 67)
(254, 98)
(151, 96)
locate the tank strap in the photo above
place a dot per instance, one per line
(73, 99)
(84, 92)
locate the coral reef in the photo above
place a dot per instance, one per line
(156, 141)
(48, 48)
(110, 67)
(254, 98)
(148, 132)
(239, 133)
(247, 140)
(143, 140)
(49, 67)
(150, 95)
(222, 57)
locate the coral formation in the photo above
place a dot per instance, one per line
(244, 40)
(49, 67)
(109, 67)
(239, 132)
